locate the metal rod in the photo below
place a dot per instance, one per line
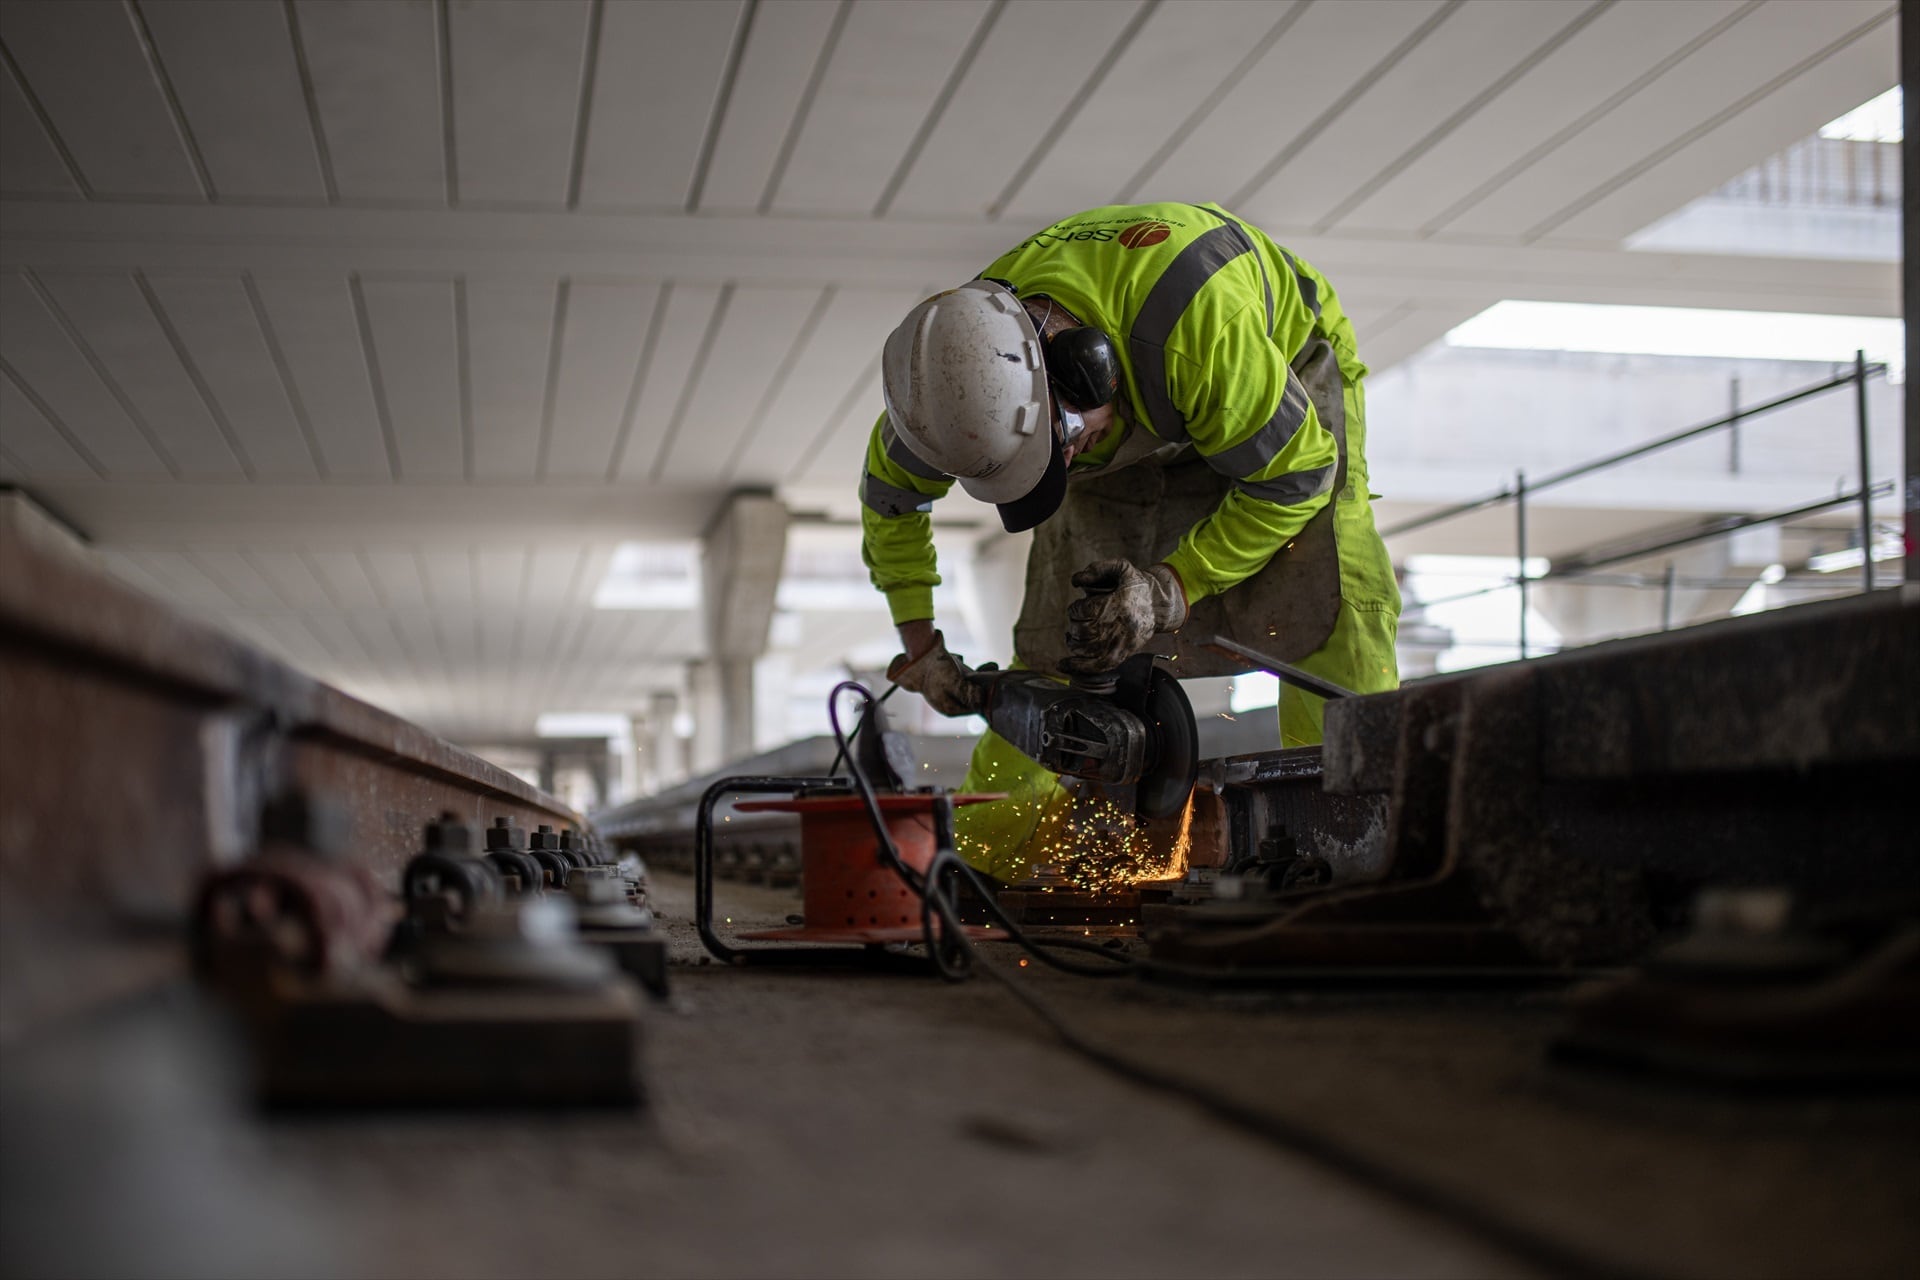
(1866, 470)
(1638, 451)
(1520, 529)
(1909, 470)
(1733, 425)
(1666, 599)
(1288, 674)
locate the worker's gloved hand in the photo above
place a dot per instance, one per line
(939, 677)
(1123, 608)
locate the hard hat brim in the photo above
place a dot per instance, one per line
(1043, 499)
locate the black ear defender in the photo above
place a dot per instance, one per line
(1081, 362)
(1082, 366)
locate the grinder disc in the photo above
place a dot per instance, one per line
(1173, 749)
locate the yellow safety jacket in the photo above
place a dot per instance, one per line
(1206, 314)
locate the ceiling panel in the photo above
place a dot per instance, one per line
(604, 332)
(1624, 42)
(412, 326)
(1034, 59)
(1763, 44)
(1434, 75)
(449, 578)
(37, 447)
(516, 97)
(420, 639)
(396, 576)
(783, 47)
(130, 569)
(214, 321)
(595, 558)
(85, 65)
(376, 79)
(890, 66)
(46, 360)
(660, 70)
(345, 577)
(313, 325)
(184, 582)
(509, 345)
(553, 577)
(1414, 327)
(342, 639)
(292, 578)
(752, 345)
(839, 448)
(1288, 81)
(1169, 68)
(237, 577)
(111, 315)
(499, 633)
(231, 66)
(677, 344)
(501, 576)
(839, 351)
(1860, 71)
(29, 162)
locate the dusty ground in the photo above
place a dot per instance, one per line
(840, 1124)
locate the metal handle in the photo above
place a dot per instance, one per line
(1288, 674)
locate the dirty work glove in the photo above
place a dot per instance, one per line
(1123, 608)
(939, 677)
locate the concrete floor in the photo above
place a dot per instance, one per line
(837, 1124)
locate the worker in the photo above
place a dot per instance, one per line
(1172, 402)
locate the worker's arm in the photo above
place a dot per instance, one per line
(897, 491)
(1250, 418)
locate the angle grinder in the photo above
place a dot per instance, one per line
(1131, 731)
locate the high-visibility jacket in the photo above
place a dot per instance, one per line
(1206, 313)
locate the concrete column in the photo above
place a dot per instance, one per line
(746, 546)
(663, 744)
(707, 750)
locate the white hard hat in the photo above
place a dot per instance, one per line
(965, 381)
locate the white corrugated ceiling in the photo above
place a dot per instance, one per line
(371, 326)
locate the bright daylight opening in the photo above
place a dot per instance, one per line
(651, 575)
(1878, 120)
(1684, 331)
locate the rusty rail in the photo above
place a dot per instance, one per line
(137, 748)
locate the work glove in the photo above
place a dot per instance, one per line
(1123, 609)
(939, 677)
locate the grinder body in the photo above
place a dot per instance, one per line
(1132, 733)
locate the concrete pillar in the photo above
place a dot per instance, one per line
(745, 549)
(707, 750)
(664, 754)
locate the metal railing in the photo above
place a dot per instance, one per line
(1583, 566)
(1836, 173)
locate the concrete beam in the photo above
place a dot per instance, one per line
(1421, 271)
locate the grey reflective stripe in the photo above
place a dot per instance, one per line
(889, 500)
(1309, 291)
(1295, 486)
(1257, 450)
(1266, 285)
(906, 459)
(1166, 302)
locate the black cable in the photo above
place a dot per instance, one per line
(842, 752)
